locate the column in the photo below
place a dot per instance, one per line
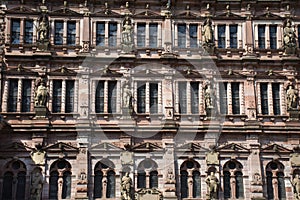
(227, 36)
(187, 33)
(240, 36)
(242, 100)
(19, 100)
(229, 98)
(275, 185)
(32, 95)
(119, 30)
(35, 25)
(259, 109)
(135, 95)
(118, 109)
(63, 96)
(106, 96)
(51, 94)
(147, 98)
(159, 106)
(199, 34)
(135, 35)
(267, 36)
(94, 30)
(283, 106)
(175, 35)
(201, 103)
(159, 42)
(21, 31)
(188, 97)
(52, 28)
(255, 34)
(65, 32)
(106, 33)
(76, 96)
(279, 35)
(176, 97)
(270, 99)
(147, 35)
(215, 34)
(77, 41)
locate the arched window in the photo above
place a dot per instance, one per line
(104, 173)
(233, 180)
(147, 174)
(190, 181)
(60, 172)
(275, 179)
(14, 181)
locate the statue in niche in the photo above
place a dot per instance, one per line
(209, 97)
(43, 29)
(207, 33)
(296, 185)
(292, 97)
(127, 33)
(127, 97)
(289, 38)
(41, 94)
(212, 186)
(36, 186)
(126, 185)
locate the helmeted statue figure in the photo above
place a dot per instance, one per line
(126, 185)
(212, 186)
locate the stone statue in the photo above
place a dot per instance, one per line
(207, 32)
(212, 186)
(296, 184)
(43, 29)
(170, 176)
(292, 97)
(126, 185)
(289, 38)
(127, 97)
(41, 94)
(127, 32)
(209, 97)
(36, 186)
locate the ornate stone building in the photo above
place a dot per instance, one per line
(154, 99)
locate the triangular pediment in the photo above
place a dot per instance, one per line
(187, 14)
(105, 147)
(15, 146)
(104, 12)
(22, 9)
(65, 11)
(192, 147)
(147, 13)
(146, 147)
(236, 148)
(275, 148)
(106, 72)
(230, 15)
(20, 70)
(63, 71)
(147, 72)
(61, 147)
(268, 15)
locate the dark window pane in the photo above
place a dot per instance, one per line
(110, 189)
(153, 179)
(193, 35)
(98, 184)
(153, 97)
(239, 185)
(141, 35)
(281, 186)
(227, 188)
(298, 36)
(7, 186)
(184, 184)
(235, 98)
(264, 98)
(261, 36)
(196, 184)
(100, 97)
(112, 40)
(195, 97)
(141, 95)
(153, 35)
(53, 183)
(141, 179)
(26, 95)
(221, 36)
(112, 96)
(20, 194)
(276, 98)
(15, 31)
(66, 188)
(270, 189)
(181, 35)
(56, 99)
(273, 37)
(13, 95)
(223, 98)
(69, 96)
(71, 33)
(28, 31)
(100, 34)
(59, 31)
(182, 97)
(233, 36)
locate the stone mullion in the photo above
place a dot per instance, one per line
(240, 36)
(256, 36)
(21, 31)
(159, 106)
(159, 35)
(176, 35)
(35, 24)
(279, 35)
(270, 99)
(106, 33)
(190, 184)
(282, 100)
(215, 34)
(177, 97)
(52, 28)
(135, 35)
(147, 178)
(135, 95)
(147, 36)
(14, 186)
(275, 185)
(199, 34)
(259, 108)
(119, 93)
(51, 94)
(32, 96)
(227, 36)
(188, 97)
(63, 96)
(242, 99)
(19, 98)
(77, 40)
(119, 27)
(93, 96)
(147, 98)
(105, 96)
(65, 34)
(229, 99)
(5, 96)
(76, 96)
(94, 33)
(187, 34)
(233, 185)
(267, 37)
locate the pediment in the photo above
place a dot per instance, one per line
(61, 146)
(192, 147)
(105, 147)
(229, 15)
(268, 15)
(63, 71)
(104, 12)
(275, 148)
(146, 147)
(233, 148)
(20, 70)
(15, 146)
(22, 9)
(147, 13)
(107, 73)
(147, 72)
(187, 14)
(65, 11)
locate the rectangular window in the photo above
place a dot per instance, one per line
(141, 98)
(26, 96)
(181, 35)
(112, 40)
(141, 35)
(264, 98)
(153, 97)
(261, 36)
(273, 36)
(235, 88)
(182, 97)
(221, 36)
(69, 96)
(56, 98)
(276, 98)
(100, 97)
(298, 36)
(71, 33)
(28, 32)
(193, 35)
(15, 31)
(153, 28)
(233, 36)
(223, 98)
(59, 32)
(112, 96)
(195, 97)
(100, 34)
(13, 95)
